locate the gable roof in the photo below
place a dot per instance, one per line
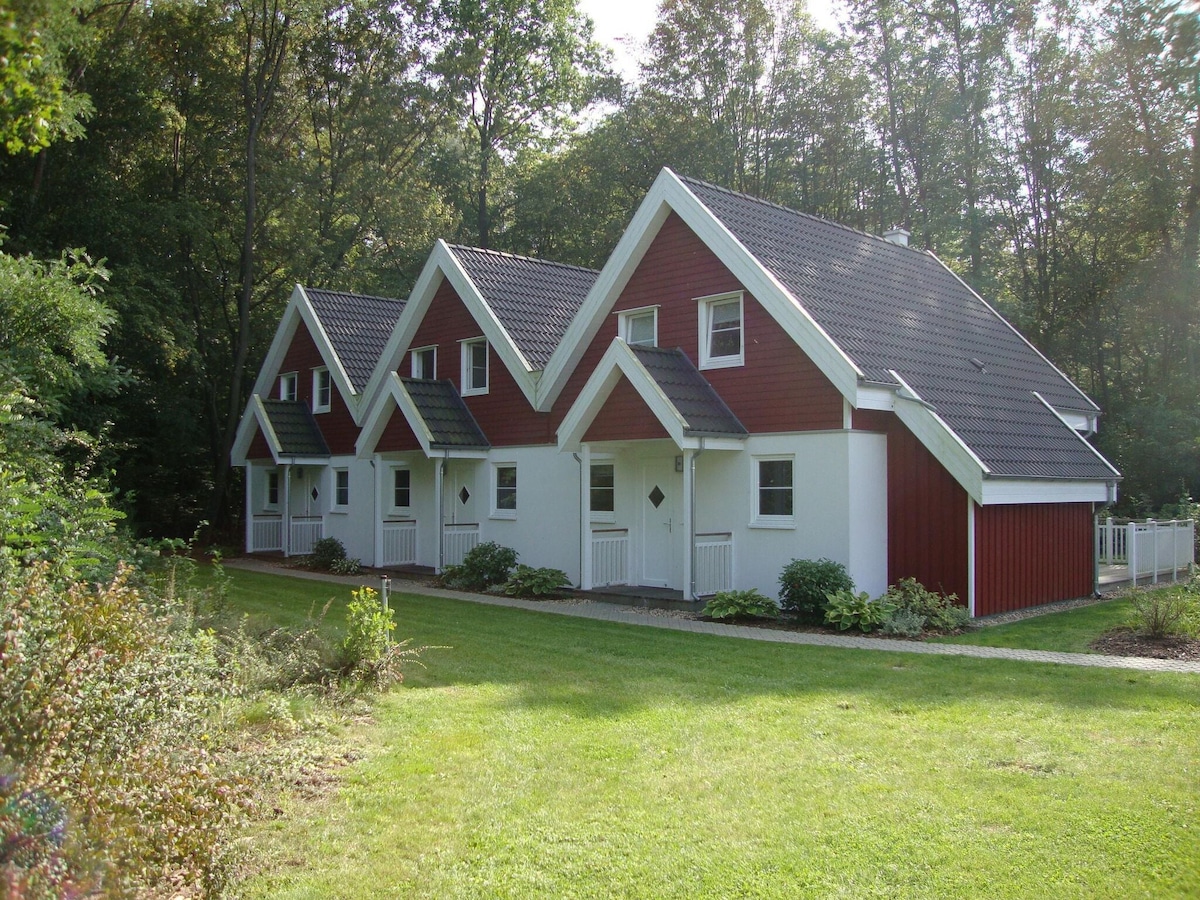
(289, 427)
(697, 402)
(358, 327)
(534, 299)
(449, 423)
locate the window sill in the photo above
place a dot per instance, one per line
(780, 524)
(603, 518)
(474, 392)
(339, 511)
(508, 515)
(722, 362)
(317, 410)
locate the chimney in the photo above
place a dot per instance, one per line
(897, 236)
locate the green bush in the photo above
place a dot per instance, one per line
(326, 552)
(345, 566)
(941, 612)
(904, 623)
(485, 565)
(1166, 612)
(526, 581)
(846, 609)
(741, 605)
(804, 583)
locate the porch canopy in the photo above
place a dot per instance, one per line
(289, 429)
(437, 415)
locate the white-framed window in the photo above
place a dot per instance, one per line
(341, 488)
(322, 390)
(474, 366)
(504, 490)
(721, 332)
(603, 488)
(401, 489)
(639, 327)
(774, 491)
(424, 363)
(272, 501)
(287, 386)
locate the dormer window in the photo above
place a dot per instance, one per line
(287, 386)
(721, 343)
(474, 367)
(322, 390)
(424, 363)
(639, 327)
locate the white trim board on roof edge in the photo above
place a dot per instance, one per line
(261, 421)
(373, 428)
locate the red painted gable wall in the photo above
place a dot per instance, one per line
(625, 417)
(337, 425)
(258, 446)
(396, 434)
(503, 413)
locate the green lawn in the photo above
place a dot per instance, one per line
(1071, 631)
(545, 756)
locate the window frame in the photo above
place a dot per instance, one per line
(759, 519)
(271, 486)
(705, 308)
(396, 508)
(321, 373)
(341, 493)
(420, 352)
(467, 387)
(606, 516)
(286, 380)
(498, 511)
(625, 320)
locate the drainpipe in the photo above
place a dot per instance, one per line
(377, 525)
(692, 524)
(440, 482)
(582, 507)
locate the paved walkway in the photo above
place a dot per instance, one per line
(612, 612)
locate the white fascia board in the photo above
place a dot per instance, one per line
(252, 417)
(1078, 436)
(618, 360)
(1091, 404)
(415, 421)
(939, 439)
(393, 397)
(332, 361)
(284, 332)
(708, 442)
(999, 491)
(875, 398)
(1081, 422)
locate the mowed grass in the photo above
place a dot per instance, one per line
(1071, 631)
(546, 756)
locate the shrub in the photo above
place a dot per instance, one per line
(526, 581)
(904, 623)
(484, 565)
(345, 566)
(1166, 612)
(941, 612)
(804, 583)
(325, 553)
(741, 604)
(846, 609)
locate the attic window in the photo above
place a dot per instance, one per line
(424, 363)
(721, 331)
(287, 386)
(474, 367)
(639, 327)
(322, 390)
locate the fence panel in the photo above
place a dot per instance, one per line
(400, 543)
(306, 531)
(457, 542)
(266, 533)
(713, 563)
(1159, 548)
(610, 557)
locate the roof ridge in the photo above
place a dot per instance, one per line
(534, 259)
(795, 212)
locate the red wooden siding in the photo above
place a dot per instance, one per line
(396, 434)
(258, 446)
(1033, 553)
(625, 417)
(503, 412)
(337, 425)
(778, 388)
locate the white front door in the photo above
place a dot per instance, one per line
(661, 488)
(458, 506)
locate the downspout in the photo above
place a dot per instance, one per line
(692, 524)
(579, 460)
(376, 524)
(441, 511)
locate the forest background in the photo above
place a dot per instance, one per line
(212, 154)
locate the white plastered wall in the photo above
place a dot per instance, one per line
(354, 526)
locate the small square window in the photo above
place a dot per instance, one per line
(424, 363)
(721, 341)
(272, 488)
(474, 367)
(322, 390)
(774, 492)
(287, 386)
(506, 492)
(341, 488)
(603, 488)
(639, 327)
(401, 488)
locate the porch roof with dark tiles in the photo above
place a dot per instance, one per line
(451, 425)
(689, 392)
(358, 326)
(295, 428)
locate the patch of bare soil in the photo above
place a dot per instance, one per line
(1123, 642)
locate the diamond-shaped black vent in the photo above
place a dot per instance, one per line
(315, 495)
(464, 495)
(657, 497)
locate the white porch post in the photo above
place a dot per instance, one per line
(439, 474)
(689, 545)
(249, 507)
(285, 522)
(379, 507)
(585, 517)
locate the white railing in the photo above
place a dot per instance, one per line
(266, 533)
(457, 542)
(610, 556)
(1157, 548)
(1112, 544)
(400, 543)
(306, 531)
(713, 563)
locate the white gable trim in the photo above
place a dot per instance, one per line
(939, 439)
(256, 416)
(999, 491)
(669, 194)
(443, 265)
(396, 392)
(1067, 424)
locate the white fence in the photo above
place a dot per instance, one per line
(457, 542)
(400, 543)
(306, 531)
(1148, 548)
(610, 556)
(266, 533)
(713, 563)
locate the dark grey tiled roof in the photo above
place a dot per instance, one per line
(695, 399)
(446, 416)
(295, 428)
(890, 307)
(358, 327)
(534, 300)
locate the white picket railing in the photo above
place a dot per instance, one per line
(1112, 544)
(266, 533)
(1157, 548)
(457, 542)
(610, 556)
(306, 531)
(400, 543)
(713, 563)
